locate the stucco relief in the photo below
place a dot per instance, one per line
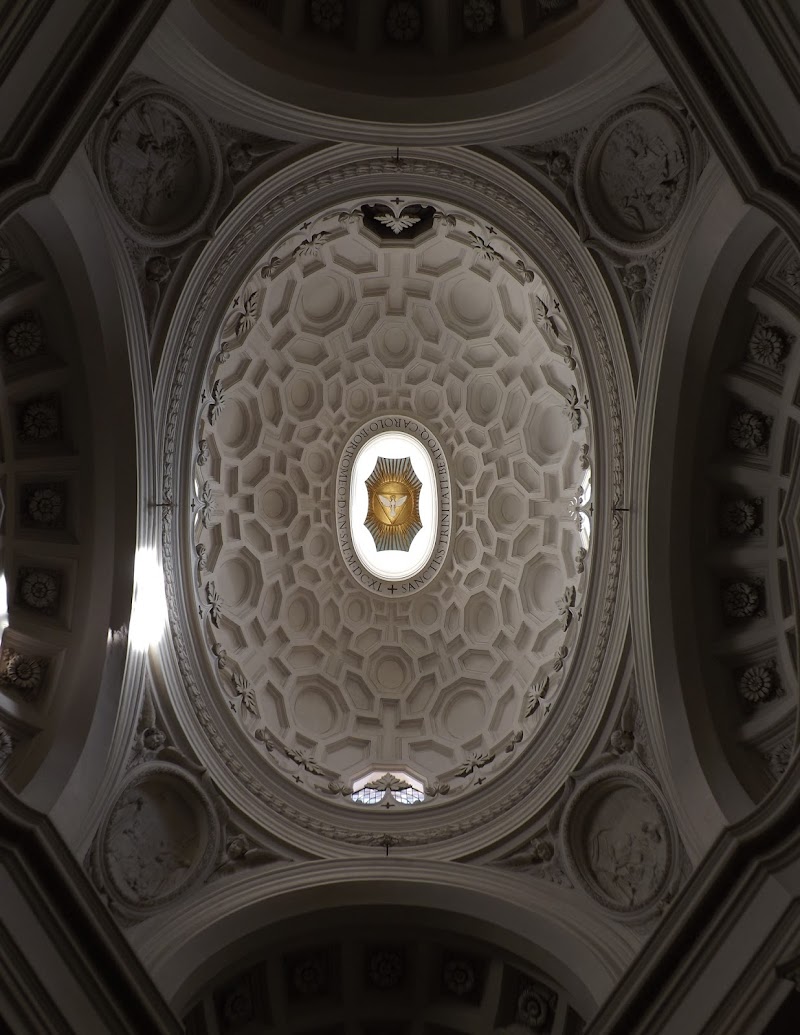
(634, 173)
(159, 163)
(618, 841)
(161, 835)
(23, 674)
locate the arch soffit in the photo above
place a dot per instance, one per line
(587, 955)
(77, 301)
(568, 85)
(691, 298)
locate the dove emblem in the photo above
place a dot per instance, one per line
(393, 505)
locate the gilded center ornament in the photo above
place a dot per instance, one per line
(393, 504)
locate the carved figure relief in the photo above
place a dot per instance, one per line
(159, 163)
(634, 174)
(151, 161)
(158, 838)
(642, 174)
(618, 841)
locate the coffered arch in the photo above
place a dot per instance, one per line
(70, 487)
(587, 55)
(686, 473)
(585, 957)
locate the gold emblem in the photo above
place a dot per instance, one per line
(393, 504)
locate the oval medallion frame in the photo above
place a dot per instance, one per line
(201, 191)
(393, 588)
(652, 184)
(204, 816)
(611, 851)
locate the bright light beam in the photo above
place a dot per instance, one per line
(149, 611)
(3, 604)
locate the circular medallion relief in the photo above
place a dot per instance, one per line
(160, 166)
(618, 841)
(160, 835)
(634, 174)
(393, 506)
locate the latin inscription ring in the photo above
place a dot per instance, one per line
(431, 565)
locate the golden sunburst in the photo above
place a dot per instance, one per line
(393, 504)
